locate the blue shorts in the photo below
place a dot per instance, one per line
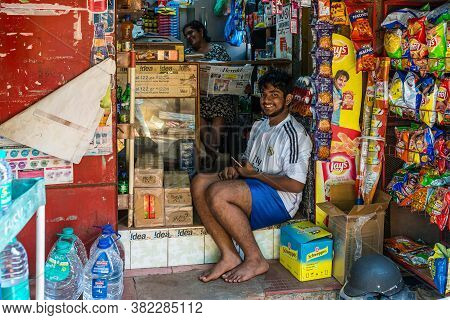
(267, 207)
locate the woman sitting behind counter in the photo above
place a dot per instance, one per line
(215, 111)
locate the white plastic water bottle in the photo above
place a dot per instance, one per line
(69, 236)
(5, 183)
(103, 274)
(63, 273)
(14, 272)
(108, 231)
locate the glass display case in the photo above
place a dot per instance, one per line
(167, 113)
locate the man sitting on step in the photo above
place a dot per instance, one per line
(265, 190)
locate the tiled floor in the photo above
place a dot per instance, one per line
(181, 283)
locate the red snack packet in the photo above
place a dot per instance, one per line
(365, 57)
(442, 104)
(417, 38)
(361, 29)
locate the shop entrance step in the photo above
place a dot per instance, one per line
(181, 283)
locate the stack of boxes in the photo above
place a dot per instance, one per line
(161, 198)
(149, 192)
(178, 201)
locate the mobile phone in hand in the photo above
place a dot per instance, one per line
(236, 162)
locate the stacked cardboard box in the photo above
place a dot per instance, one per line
(177, 199)
(149, 191)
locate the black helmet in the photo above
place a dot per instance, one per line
(373, 273)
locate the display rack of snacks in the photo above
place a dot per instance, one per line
(416, 172)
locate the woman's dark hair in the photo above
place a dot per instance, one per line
(277, 78)
(197, 25)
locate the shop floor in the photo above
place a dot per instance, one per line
(181, 283)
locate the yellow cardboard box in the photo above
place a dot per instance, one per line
(306, 250)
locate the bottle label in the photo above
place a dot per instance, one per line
(102, 265)
(99, 288)
(57, 268)
(20, 291)
(5, 194)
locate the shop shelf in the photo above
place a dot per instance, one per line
(421, 273)
(28, 198)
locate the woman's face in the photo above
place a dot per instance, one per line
(194, 37)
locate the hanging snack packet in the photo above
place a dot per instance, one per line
(440, 14)
(410, 96)
(396, 89)
(365, 57)
(419, 200)
(323, 119)
(427, 109)
(361, 29)
(393, 43)
(322, 145)
(324, 10)
(436, 65)
(439, 264)
(324, 91)
(401, 147)
(437, 41)
(339, 13)
(442, 100)
(399, 19)
(324, 33)
(437, 203)
(324, 59)
(417, 38)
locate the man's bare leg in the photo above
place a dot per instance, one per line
(229, 257)
(231, 203)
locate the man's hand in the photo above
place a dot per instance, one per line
(246, 171)
(229, 173)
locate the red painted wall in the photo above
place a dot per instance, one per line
(38, 54)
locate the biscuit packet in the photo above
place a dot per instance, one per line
(437, 41)
(361, 29)
(417, 38)
(322, 146)
(393, 43)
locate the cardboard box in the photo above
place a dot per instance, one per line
(179, 216)
(357, 230)
(306, 250)
(177, 190)
(148, 207)
(149, 172)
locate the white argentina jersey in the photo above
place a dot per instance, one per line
(283, 150)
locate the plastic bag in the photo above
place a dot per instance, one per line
(393, 43)
(361, 29)
(439, 265)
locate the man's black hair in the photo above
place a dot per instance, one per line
(340, 73)
(277, 78)
(197, 25)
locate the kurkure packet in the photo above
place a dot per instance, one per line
(377, 131)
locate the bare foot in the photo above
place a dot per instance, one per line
(224, 265)
(247, 270)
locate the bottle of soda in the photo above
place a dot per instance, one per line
(118, 100)
(124, 116)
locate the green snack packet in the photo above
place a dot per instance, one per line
(393, 43)
(437, 41)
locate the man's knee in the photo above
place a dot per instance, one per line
(216, 195)
(199, 183)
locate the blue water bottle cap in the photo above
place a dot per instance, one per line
(107, 229)
(104, 243)
(67, 231)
